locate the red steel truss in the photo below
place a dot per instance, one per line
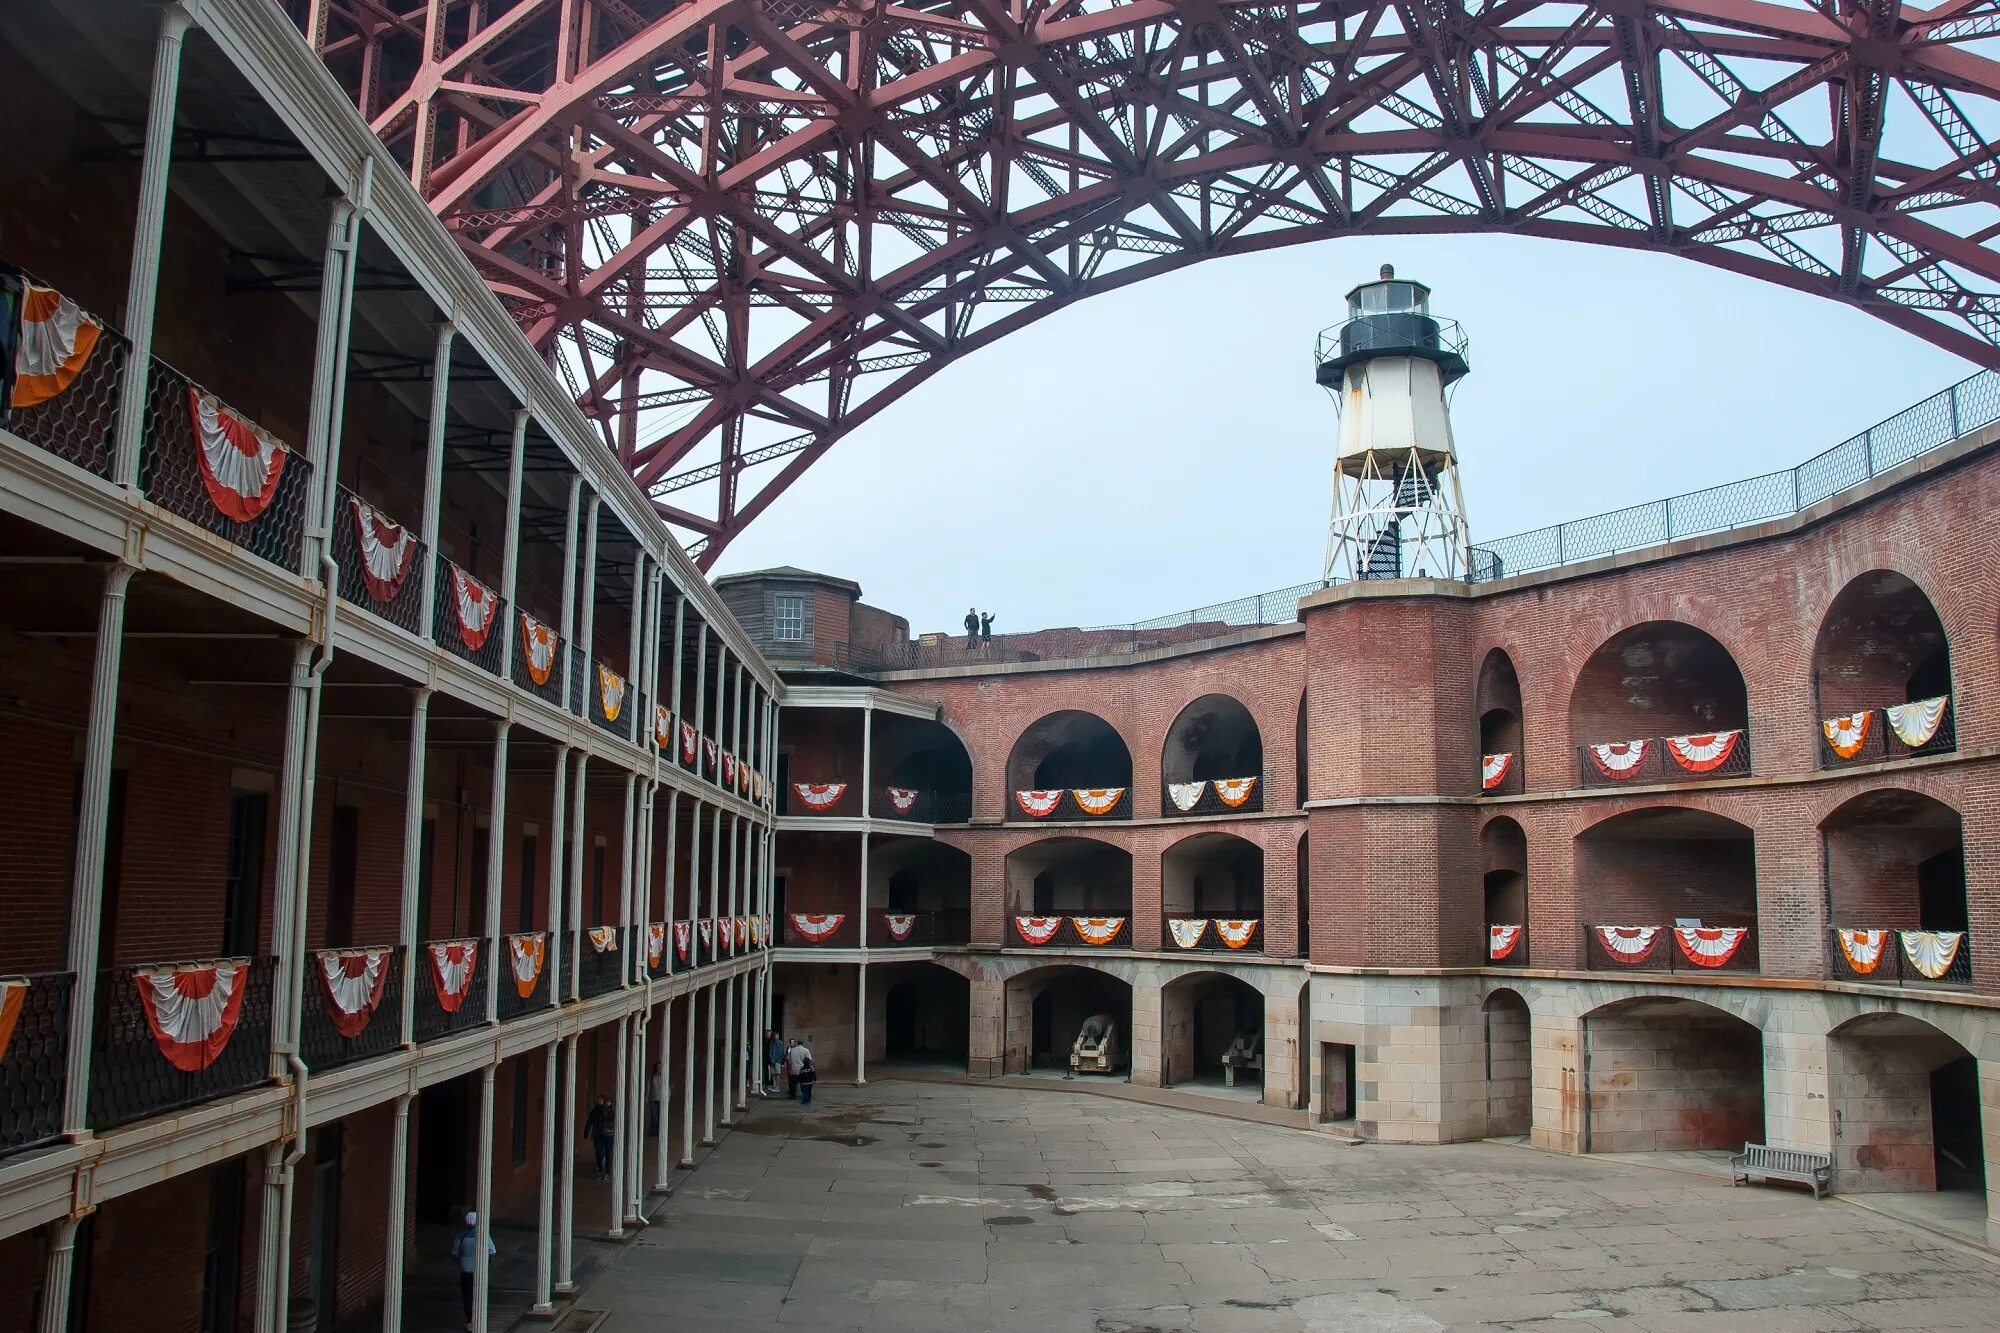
(742, 227)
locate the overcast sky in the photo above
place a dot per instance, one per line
(1164, 446)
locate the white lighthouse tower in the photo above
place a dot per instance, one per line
(1397, 508)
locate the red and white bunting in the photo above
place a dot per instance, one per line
(1932, 952)
(1187, 931)
(742, 932)
(1098, 930)
(610, 692)
(656, 942)
(1185, 795)
(1915, 723)
(13, 999)
(1863, 949)
(1037, 929)
(1233, 792)
(1704, 752)
(351, 982)
(192, 1009)
(57, 338)
(710, 750)
(1493, 770)
(1236, 932)
(1098, 800)
(1710, 946)
(707, 928)
(1618, 759)
(687, 743)
(1038, 804)
(1847, 734)
(899, 924)
(902, 800)
(388, 551)
(663, 727)
(820, 795)
(538, 649)
(475, 605)
(725, 931)
(453, 963)
(1628, 944)
(1500, 941)
(814, 927)
(240, 463)
(604, 939)
(728, 769)
(683, 935)
(527, 952)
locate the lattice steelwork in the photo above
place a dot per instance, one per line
(742, 227)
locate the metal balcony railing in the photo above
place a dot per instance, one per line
(1696, 949)
(601, 960)
(1500, 774)
(551, 687)
(433, 1019)
(1887, 956)
(387, 579)
(456, 624)
(1070, 804)
(828, 930)
(1218, 796)
(1698, 757)
(377, 1030)
(33, 1067)
(614, 692)
(80, 423)
(1215, 934)
(1873, 735)
(827, 800)
(1070, 931)
(132, 1075)
(1506, 944)
(172, 475)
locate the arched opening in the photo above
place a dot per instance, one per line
(919, 893)
(1070, 891)
(1663, 1074)
(1497, 700)
(926, 1015)
(1907, 1113)
(1063, 754)
(1299, 753)
(1212, 1035)
(1668, 888)
(1213, 760)
(1056, 1015)
(1661, 701)
(1895, 890)
(1509, 1066)
(925, 771)
(1212, 893)
(1503, 857)
(1882, 673)
(1305, 895)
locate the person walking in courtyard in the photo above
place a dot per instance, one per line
(971, 628)
(600, 1126)
(791, 1083)
(465, 1249)
(774, 1056)
(986, 627)
(804, 1074)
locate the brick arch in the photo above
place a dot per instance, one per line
(1880, 641)
(1658, 677)
(1657, 863)
(1085, 985)
(1667, 1071)
(1082, 745)
(1496, 706)
(1895, 858)
(1084, 876)
(1213, 736)
(1503, 872)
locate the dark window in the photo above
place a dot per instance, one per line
(243, 889)
(597, 888)
(529, 848)
(323, 1264)
(222, 1256)
(342, 875)
(520, 1111)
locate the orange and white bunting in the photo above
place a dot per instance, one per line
(57, 338)
(1037, 929)
(728, 769)
(1628, 944)
(1185, 795)
(1500, 941)
(1233, 792)
(1098, 800)
(656, 942)
(820, 795)
(1710, 946)
(1236, 933)
(756, 931)
(1703, 752)
(527, 952)
(538, 649)
(604, 939)
(1187, 931)
(475, 605)
(1098, 930)
(192, 1009)
(902, 800)
(1863, 949)
(1493, 770)
(687, 743)
(813, 927)
(13, 999)
(683, 935)
(725, 931)
(388, 551)
(1932, 952)
(899, 924)
(1915, 723)
(610, 693)
(663, 727)
(1618, 759)
(453, 963)
(1038, 804)
(1848, 733)
(351, 982)
(240, 463)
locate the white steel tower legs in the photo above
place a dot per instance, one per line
(1397, 516)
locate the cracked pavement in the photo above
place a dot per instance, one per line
(919, 1206)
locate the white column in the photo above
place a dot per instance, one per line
(510, 548)
(687, 1087)
(727, 1056)
(566, 1204)
(700, 695)
(627, 836)
(558, 855)
(545, 1196)
(634, 1163)
(861, 1024)
(566, 627)
(576, 850)
(620, 1128)
(57, 1269)
(662, 1158)
(410, 931)
(326, 413)
(392, 1261)
(586, 629)
(482, 1193)
(694, 884)
(434, 474)
(708, 1079)
(496, 862)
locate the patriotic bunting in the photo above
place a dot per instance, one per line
(452, 965)
(899, 924)
(683, 934)
(1186, 795)
(57, 338)
(656, 942)
(1703, 752)
(1186, 932)
(1098, 930)
(1932, 952)
(388, 551)
(743, 777)
(351, 982)
(902, 800)
(1915, 723)
(1038, 929)
(663, 727)
(1862, 949)
(527, 952)
(1098, 800)
(1236, 933)
(1493, 770)
(604, 939)
(538, 649)
(743, 931)
(707, 928)
(1500, 941)
(820, 795)
(725, 931)
(709, 751)
(610, 692)
(1038, 804)
(756, 931)
(728, 769)
(1628, 944)
(817, 926)
(192, 1009)
(240, 463)
(1846, 735)
(13, 998)
(476, 605)
(1618, 759)
(1710, 946)
(687, 743)
(1233, 792)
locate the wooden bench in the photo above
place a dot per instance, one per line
(1807, 1168)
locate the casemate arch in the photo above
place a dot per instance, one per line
(743, 227)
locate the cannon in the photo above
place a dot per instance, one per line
(1245, 1052)
(1095, 1050)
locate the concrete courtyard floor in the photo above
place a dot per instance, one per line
(923, 1206)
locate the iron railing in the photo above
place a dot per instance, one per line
(33, 1065)
(1666, 951)
(819, 930)
(320, 1044)
(1508, 783)
(1886, 956)
(576, 666)
(601, 970)
(1206, 934)
(846, 804)
(1068, 807)
(130, 1076)
(448, 634)
(1664, 759)
(948, 926)
(404, 607)
(512, 1003)
(432, 1019)
(80, 424)
(1880, 741)
(1212, 798)
(171, 477)
(628, 701)
(1070, 932)
(551, 689)
(1506, 949)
